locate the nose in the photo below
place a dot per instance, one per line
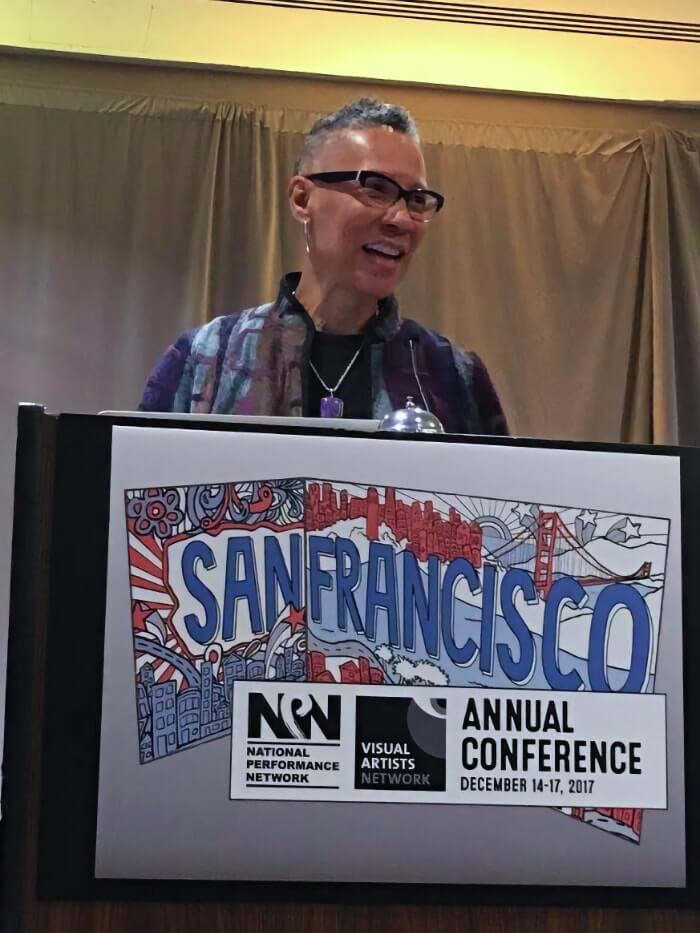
(397, 216)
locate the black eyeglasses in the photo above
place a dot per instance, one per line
(377, 190)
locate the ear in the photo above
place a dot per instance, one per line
(298, 193)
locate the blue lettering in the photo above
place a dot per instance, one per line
(415, 601)
(459, 567)
(566, 589)
(319, 546)
(382, 564)
(278, 577)
(192, 554)
(239, 551)
(488, 618)
(620, 594)
(426, 611)
(347, 579)
(519, 671)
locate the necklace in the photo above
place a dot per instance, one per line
(331, 405)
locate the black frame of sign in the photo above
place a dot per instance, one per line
(63, 465)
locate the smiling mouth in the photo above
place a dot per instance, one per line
(384, 251)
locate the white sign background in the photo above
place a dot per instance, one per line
(173, 818)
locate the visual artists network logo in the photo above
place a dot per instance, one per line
(400, 743)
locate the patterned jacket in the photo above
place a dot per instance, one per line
(256, 363)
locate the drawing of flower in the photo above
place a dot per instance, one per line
(155, 512)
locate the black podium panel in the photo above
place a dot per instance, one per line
(60, 598)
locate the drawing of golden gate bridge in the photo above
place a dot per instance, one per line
(558, 550)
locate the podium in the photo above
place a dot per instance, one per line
(277, 677)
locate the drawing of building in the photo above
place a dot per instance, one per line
(289, 666)
(173, 714)
(424, 529)
(352, 671)
(148, 677)
(164, 718)
(255, 670)
(234, 669)
(143, 712)
(206, 708)
(188, 711)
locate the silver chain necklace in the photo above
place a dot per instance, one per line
(331, 405)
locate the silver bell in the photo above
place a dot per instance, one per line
(411, 420)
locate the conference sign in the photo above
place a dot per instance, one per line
(375, 643)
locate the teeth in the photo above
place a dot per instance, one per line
(384, 248)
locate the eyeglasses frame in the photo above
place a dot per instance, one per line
(361, 176)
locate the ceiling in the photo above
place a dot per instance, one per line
(641, 50)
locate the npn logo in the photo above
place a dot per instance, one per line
(290, 717)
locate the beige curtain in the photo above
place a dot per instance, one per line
(568, 259)
(537, 265)
(673, 278)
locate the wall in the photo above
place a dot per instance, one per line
(256, 36)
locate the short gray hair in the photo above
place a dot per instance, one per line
(362, 114)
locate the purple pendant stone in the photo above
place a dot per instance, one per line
(331, 407)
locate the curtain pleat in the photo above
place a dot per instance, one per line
(535, 263)
(673, 160)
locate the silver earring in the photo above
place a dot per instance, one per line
(306, 237)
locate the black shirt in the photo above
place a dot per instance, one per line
(330, 354)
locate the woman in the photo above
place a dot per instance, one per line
(333, 344)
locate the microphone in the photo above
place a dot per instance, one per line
(410, 335)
